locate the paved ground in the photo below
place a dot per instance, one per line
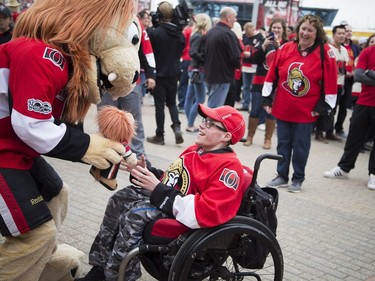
(326, 232)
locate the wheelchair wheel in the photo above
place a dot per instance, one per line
(230, 252)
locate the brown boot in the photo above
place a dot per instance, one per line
(270, 128)
(249, 141)
(251, 127)
(267, 144)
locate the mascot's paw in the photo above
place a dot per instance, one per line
(131, 160)
(65, 264)
(110, 184)
(102, 152)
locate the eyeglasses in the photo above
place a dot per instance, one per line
(208, 124)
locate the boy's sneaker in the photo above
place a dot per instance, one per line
(262, 127)
(277, 182)
(295, 187)
(371, 182)
(336, 173)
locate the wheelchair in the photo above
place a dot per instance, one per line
(230, 251)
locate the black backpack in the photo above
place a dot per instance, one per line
(265, 204)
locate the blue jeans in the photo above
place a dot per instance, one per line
(257, 110)
(183, 84)
(217, 94)
(143, 80)
(247, 79)
(196, 93)
(293, 143)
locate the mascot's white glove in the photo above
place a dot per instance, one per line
(102, 152)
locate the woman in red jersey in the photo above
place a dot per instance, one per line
(297, 71)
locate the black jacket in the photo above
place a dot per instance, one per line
(196, 50)
(168, 42)
(254, 42)
(222, 54)
(6, 36)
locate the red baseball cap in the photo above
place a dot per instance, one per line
(230, 117)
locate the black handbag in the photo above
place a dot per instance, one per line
(196, 77)
(326, 114)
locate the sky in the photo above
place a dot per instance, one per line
(360, 14)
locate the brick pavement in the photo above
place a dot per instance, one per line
(325, 232)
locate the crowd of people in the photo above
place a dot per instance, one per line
(215, 68)
(279, 75)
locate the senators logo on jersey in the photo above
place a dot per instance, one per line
(55, 57)
(297, 84)
(176, 173)
(230, 178)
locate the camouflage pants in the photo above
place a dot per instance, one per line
(128, 210)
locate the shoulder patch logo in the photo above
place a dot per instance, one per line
(230, 178)
(331, 53)
(39, 106)
(55, 57)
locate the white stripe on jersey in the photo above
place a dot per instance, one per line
(184, 210)
(331, 100)
(7, 217)
(42, 135)
(4, 106)
(267, 89)
(151, 59)
(4, 78)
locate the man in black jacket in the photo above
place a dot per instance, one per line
(168, 43)
(222, 52)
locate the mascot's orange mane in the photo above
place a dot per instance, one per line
(69, 25)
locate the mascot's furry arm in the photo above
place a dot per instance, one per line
(117, 125)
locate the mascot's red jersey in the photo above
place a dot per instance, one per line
(298, 87)
(36, 75)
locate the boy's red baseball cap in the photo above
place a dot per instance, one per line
(230, 117)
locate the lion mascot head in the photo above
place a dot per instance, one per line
(101, 39)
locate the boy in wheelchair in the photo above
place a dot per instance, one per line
(202, 188)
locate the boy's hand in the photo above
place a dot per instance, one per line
(128, 168)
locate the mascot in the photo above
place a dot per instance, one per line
(63, 54)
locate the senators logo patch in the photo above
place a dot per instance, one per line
(177, 176)
(55, 57)
(331, 53)
(39, 106)
(297, 84)
(230, 178)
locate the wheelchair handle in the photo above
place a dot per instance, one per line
(259, 159)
